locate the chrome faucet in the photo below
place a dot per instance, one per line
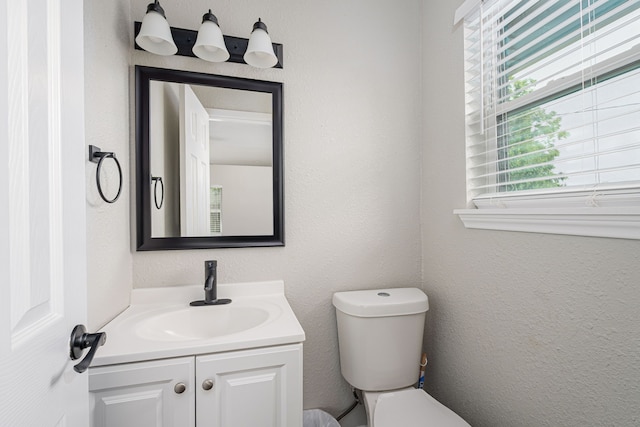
(211, 286)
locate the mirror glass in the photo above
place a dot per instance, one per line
(209, 157)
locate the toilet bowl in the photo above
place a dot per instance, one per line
(410, 407)
(380, 341)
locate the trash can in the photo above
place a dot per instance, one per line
(318, 418)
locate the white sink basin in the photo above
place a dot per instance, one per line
(197, 323)
(161, 324)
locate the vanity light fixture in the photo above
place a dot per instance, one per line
(210, 44)
(155, 34)
(260, 52)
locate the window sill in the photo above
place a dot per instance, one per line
(619, 223)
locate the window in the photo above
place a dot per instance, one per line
(215, 210)
(553, 116)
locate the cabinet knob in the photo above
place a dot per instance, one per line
(207, 384)
(180, 388)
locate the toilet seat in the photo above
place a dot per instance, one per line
(413, 408)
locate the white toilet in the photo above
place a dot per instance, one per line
(380, 339)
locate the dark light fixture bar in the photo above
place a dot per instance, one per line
(237, 46)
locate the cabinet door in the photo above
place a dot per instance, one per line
(252, 388)
(146, 394)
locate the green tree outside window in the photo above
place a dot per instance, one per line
(527, 144)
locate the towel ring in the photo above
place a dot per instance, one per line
(97, 156)
(155, 180)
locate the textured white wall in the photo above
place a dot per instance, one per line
(164, 130)
(523, 329)
(107, 56)
(247, 198)
(352, 170)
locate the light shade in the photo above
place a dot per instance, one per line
(260, 50)
(155, 34)
(210, 41)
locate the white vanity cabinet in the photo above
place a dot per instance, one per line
(261, 387)
(141, 394)
(247, 388)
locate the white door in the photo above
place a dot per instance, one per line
(42, 212)
(194, 165)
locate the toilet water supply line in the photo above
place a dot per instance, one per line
(352, 407)
(423, 365)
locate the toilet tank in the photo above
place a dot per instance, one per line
(380, 336)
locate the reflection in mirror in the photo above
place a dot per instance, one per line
(215, 143)
(212, 146)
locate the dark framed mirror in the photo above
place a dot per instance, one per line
(209, 161)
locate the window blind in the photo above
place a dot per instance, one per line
(552, 97)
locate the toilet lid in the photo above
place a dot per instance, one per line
(413, 408)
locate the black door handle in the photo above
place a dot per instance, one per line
(80, 340)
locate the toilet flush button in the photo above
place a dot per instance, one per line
(383, 294)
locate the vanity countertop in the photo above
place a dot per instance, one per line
(159, 323)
